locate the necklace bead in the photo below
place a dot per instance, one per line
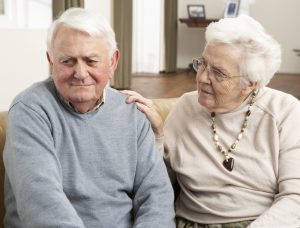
(228, 163)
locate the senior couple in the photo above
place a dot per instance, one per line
(80, 154)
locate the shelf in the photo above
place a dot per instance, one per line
(200, 23)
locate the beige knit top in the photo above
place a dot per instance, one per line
(265, 182)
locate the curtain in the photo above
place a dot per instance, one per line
(170, 30)
(59, 6)
(122, 23)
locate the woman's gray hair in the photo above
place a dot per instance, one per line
(85, 21)
(260, 53)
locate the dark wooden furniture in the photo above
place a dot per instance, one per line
(193, 22)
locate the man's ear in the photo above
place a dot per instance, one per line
(115, 59)
(114, 63)
(50, 62)
(49, 59)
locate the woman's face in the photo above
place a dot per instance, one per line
(218, 83)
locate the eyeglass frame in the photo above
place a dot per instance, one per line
(222, 77)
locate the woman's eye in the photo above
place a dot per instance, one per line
(219, 75)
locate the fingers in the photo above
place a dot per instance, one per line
(131, 93)
(136, 97)
(146, 106)
(154, 118)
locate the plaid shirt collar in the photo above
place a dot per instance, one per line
(99, 103)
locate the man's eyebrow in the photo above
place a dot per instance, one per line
(94, 55)
(65, 57)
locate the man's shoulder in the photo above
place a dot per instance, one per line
(36, 91)
(38, 94)
(117, 99)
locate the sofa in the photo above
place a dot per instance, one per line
(163, 107)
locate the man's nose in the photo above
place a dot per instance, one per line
(81, 71)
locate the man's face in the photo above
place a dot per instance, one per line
(81, 67)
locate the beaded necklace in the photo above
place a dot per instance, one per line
(228, 163)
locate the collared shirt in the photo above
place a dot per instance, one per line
(99, 103)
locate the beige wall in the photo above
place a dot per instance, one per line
(280, 19)
(23, 60)
(23, 56)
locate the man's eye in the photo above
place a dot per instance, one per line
(92, 62)
(67, 62)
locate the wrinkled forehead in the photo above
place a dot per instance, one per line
(223, 57)
(222, 53)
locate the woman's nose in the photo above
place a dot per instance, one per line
(203, 76)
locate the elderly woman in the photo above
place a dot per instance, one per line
(234, 144)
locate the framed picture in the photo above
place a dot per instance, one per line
(231, 8)
(196, 11)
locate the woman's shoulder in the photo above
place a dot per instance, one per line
(272, 96)
(189, 98)
(186, 107)
(274, 101)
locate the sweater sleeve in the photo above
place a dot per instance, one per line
(34, 178)
(163, 150)
(285, 210)
(153, 201)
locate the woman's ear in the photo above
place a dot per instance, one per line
(251, 86)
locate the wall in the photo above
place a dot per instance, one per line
(23, 61)
(23, 46)
(281, 20)
(191, 40)
(104, 7)
(23, 50)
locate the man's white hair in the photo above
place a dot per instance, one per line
(85, 21)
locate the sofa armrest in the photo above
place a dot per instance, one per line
(3, 123)
(164, 106)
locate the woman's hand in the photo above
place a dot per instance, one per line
(146, 106)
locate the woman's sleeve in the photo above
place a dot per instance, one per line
(285, 211)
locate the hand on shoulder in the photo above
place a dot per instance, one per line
(146, 106)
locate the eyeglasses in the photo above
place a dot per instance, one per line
(200, 65)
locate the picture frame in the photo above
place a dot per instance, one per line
(232, 8)
(196, 11)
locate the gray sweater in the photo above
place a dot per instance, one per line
(99, 169)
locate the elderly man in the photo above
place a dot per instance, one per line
(76, 155)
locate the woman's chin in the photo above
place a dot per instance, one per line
(205, 101)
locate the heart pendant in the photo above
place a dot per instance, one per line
(228, 164)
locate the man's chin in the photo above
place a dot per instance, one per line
(81, 99)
